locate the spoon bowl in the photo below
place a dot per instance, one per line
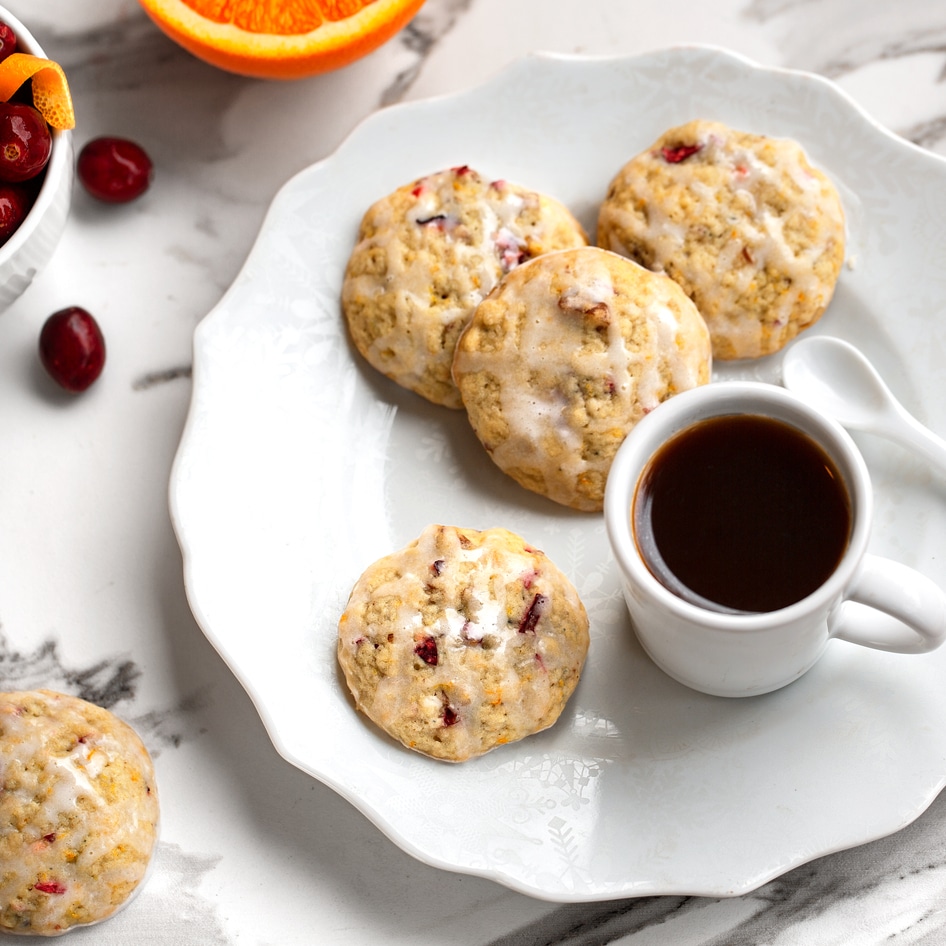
(834, 376)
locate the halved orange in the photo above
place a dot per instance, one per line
(51, 95)
(280, 39)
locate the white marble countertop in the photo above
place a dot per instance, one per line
(92, 599)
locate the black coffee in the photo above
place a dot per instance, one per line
(744, 512)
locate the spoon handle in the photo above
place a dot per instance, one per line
(911, 433)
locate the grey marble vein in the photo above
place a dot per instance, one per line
(153, 378)
(818, 894)
(835, 37)
(435, 19)
(107, 683)
(926, 134)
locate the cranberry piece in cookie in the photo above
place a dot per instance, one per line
(678, 153)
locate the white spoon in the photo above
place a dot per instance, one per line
(835, 377)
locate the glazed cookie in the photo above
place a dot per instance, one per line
(425, 257)
(78, 812)
(565, 356)
(462, 641)
(751, 231)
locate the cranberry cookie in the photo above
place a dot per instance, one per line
(462, 641)
(565, 356)
(752, 232)
(78, 812)
(425, 257)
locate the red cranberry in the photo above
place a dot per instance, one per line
(450, 716)
(7, 41)
(533, 615)
(115, 170)
(49, 886)
(426, 649)
(72, 348)
(25, 142)
(15, 202)
(679, 153)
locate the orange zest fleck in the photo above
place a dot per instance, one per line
(51, 96)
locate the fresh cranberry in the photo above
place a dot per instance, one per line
(25, 142)
(7, 41)
(72, 348)
(115, 170)
(15, 202)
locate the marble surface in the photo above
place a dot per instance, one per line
(92, 600)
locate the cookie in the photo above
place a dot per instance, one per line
(426, 256)
(78, 812)
(463, 641)
(752, 232)
(565, 356)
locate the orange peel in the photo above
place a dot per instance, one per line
(51, 95)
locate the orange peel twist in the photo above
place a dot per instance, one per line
(51, 95)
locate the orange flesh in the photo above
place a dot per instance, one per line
(286, 18)
(280, 39)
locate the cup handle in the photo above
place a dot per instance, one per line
(916, 602)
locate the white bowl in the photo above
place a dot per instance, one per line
(30, 248)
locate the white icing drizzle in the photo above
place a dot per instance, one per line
(550, 345)
(482, 253)
(76, 822)
(466, 643)
(757, 234)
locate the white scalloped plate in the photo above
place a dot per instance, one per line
(299, 466)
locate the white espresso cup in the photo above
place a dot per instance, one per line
(728, 651)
